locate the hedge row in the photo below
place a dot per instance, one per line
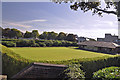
(90, 65)
(12, 63)
(37, 43)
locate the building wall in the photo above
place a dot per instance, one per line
(110, 38)
(99, 49)
(81, 39)
(100, 39)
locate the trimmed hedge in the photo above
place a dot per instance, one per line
(37, 43)
(13, 63)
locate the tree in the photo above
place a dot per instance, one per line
(11, 33)
(5, 32)
(27, 34)
(48, 35)
(52, 35)
(44, 35)
(15, 33)
(35, 33)
(71, 37)
(61, 36)
(94, 6)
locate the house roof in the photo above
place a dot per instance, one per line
(100, 44)
(40, 70)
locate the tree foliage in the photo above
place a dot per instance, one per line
(35, 34)
(62, 36)
(11, 33)
(74, 72)
(15, 33)
(27, 34)
(95, 6)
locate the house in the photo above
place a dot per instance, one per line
(82, 39)
(109, 38)
(41, 71)
(104, 47)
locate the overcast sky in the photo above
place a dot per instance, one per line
(49, 16)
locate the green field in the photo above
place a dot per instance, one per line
(55, 53)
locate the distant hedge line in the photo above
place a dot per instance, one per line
(13, 63)
(36, 43)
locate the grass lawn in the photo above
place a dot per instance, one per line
(55, 53)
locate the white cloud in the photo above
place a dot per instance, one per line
(32, 21)
(15, 24)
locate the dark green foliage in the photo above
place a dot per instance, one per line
(28, 34)
(49, 43)
(74, 72)
(32, 43)
(71, 37)
(41, 44)
(90, 65)
(62, 36)
(108, 73)
(35, 34)
(48, 35)
(9, 43)
(12, 63)
(23, 43)
(38, 43)
(11, 33)
(17, 34)
(94, 65)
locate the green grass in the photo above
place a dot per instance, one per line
(55, 53)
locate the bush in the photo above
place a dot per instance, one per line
(41, 44)
(32, 43)
(74, 72)
(107, 73)
(49, 43)
(22, 43)
(9, 43)
(37, 45)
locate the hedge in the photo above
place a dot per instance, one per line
(90, 65)
(37, 43)
(12, 63)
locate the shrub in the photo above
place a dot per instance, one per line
(22, 43)
(107, 73)
(37, 45)
(49, 43)
(9, 43)
(74, 72)
(41, 44)
(32, 43)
